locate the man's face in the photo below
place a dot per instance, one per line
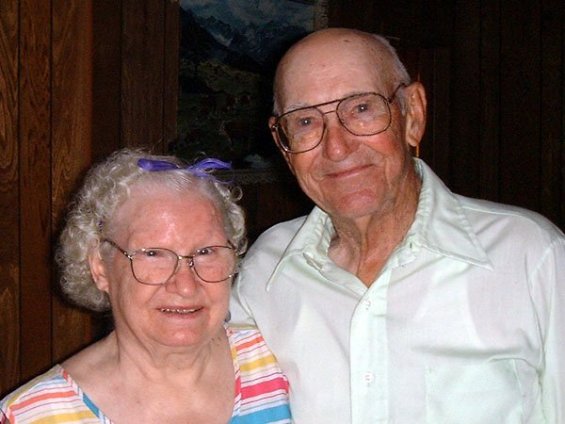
(348, 176)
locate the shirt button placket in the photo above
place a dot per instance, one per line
(369, 355)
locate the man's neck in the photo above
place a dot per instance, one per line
(363, 246)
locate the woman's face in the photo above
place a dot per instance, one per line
(185, 312)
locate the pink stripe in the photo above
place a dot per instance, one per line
(264, 387)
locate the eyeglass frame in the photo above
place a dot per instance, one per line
(131, 255)
(276, 127)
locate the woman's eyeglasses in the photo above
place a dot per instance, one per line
(156, 265)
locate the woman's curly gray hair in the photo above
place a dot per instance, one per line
(105, 188)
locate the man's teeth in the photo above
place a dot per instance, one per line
(178, 311)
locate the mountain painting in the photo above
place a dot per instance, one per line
(228, 52)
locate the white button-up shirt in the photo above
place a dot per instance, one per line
(464, 325)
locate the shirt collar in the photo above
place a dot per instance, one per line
(440, 226)
(311, 241)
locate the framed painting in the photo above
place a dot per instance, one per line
(228, 53)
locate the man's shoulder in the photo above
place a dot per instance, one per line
(274, 241)
(269, 248)
(484, 216)
(520, 222)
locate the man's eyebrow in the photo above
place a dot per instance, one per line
(295, 106)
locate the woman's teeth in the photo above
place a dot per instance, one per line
(178, 310)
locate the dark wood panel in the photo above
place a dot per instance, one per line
(143, 73)
(439, 113)
(489, 128)
(270, 201)
(433, 73)
(359, 14)
(9, 195)
(520, 106)
(562, 137)
(71, 146)
(171, 67)
(553, 110)
(106, 77)
(35, 190)
(465, 95)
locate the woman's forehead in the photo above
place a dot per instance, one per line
(147, 205)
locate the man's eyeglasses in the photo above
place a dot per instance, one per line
(156, 265)
(365, 114)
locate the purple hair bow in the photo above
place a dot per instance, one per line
(200, 169)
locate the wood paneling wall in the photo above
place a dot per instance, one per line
(80, 78)
(45, 96)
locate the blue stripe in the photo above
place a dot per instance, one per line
(90, 405)
(264, 416)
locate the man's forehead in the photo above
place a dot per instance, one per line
(306, 86)
(331, 65)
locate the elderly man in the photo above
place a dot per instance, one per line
(395, 300)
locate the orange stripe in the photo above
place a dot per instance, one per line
(43, 396)
(249, 343)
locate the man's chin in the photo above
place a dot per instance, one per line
(355, 206)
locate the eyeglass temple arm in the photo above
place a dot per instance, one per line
(395, 92)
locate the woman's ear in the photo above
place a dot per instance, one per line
(416, 108)
(98, 270)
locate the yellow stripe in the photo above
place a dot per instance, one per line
(66, 418)
(258, 363)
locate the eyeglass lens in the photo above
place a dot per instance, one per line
(365, 114)
(155, 266)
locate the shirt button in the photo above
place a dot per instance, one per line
(367, 305)
(369, 377)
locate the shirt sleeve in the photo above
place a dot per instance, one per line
(549, 276)
(240, 313)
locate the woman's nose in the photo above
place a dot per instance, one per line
(184, 281)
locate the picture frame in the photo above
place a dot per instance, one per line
(228, 53)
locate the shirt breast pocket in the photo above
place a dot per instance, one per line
(488, 393)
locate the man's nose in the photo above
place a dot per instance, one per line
(338, 142)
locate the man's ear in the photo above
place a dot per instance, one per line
(416, 108)
(275, 136)
(98, 270)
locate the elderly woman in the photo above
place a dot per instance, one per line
(156, 242)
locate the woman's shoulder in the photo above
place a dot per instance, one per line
(244, 337)
(261, 387)
(252, 357)
(49, 397)
(250, 349)
(38, 392)
(48, 381)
